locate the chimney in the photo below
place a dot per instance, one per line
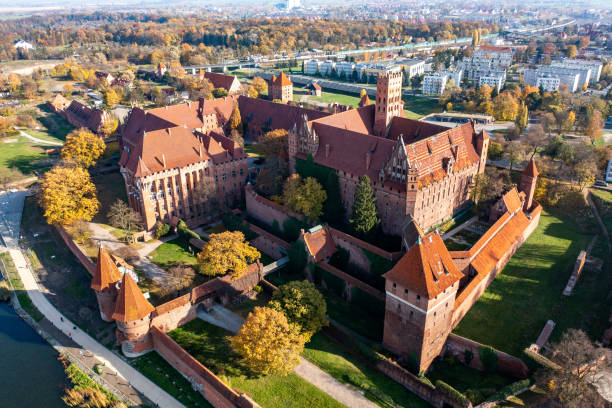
(326, 150)
(368, 160)
(164, 160)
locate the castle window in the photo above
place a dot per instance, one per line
(399, 307)
(224, 176)
(394, 285)
(241, 171)
(411, 314)
(405, 291)
(418, 298)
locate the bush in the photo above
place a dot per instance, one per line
(334, 283)
(297, 257)
(161, 229)
(510, 390)
(535, 361)
(185, 233)
(340, 259)
(452, 392)
(488, 358)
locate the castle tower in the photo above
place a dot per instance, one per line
(104, 283)
(482, 147)
(280, 87)
(388, 99)
(420, 295)
(529, 179)
(132, 313)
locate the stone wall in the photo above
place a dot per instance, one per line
(506, 364)
(265, 210)
(175, 313)
(355, 247)
(74, 248)
(201, 379)
(269, 244)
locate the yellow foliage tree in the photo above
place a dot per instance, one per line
(235, 119)
(260, 85)
(13, 82)
(67, 194)
(227, 253)
(111, 99)
(109, 127)
(83, 148)
(268, 343)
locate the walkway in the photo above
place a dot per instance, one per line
(111, 361)
(349, 396)
(11, 207)
(41, 141)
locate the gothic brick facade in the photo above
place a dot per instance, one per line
(417, 169)
(280, 88)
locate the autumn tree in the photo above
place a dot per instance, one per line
(364, 217)
(205, 197)
(272, 143)
(534, 140)
(595, 126)
(67, 194)
(513, 153)
(67, 90)
(82, 147)
(302, 304)
(13, 82)
(235, 121)
(109, 127)
(268, 343)
(227, 253)
(123, 217)
(505, 106)
(111, 98)
(571, 51)
(86, 397)
(305, 197)
(478, 188)
(259, 85)
(566, 383)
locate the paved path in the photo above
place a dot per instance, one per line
(11, 207)
(41, 141)
(111, 361)
(460, 227)
(349, 396)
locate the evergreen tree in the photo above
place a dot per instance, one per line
(364, 217)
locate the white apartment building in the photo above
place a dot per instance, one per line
(494, 81)
(548, 83)
(594, 66)
(345, 69)
(412, 66)
(312, 66)
(435, 83)
(500, 56)
(571, 77)
(472, 65)
(327, 67)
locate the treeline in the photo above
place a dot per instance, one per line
(248, 36)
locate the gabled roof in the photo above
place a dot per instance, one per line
(319, 242)
(358, 120)
(221, 80)
(106, 274)
(427, 268)
(272, 115)
(531, 169)
(512, 200)
(281, 80)
(364, 101)
(131, 304)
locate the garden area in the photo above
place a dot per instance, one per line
(528, 292)
(210, 345)
(176, 251)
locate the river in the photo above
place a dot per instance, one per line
(30, 374)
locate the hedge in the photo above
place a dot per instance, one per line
(453, 393)
(334, 283)
(536, 360)
(488, 358)
(510, 390)
(185, 233)
(367, 302)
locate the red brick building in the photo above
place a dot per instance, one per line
(416, 168)
(281, 88)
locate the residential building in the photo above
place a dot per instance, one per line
(500, 56)
(327, 67)
(434, 83)
(573, 78)
(594, 66)
(345, 69)
(80, 115)
(495, 81)
(412, 66)
(311, 67)
(228, 82)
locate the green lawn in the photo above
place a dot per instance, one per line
(511, 313)
(474, 384)
(210, 345)
(250, 150)
(156, 369)
(340, 364)
(22, 296)
(417, 107)
(24, 156)
(603, 201)
(173, 252)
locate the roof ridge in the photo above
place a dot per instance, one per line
(131, 304)
(106, 274)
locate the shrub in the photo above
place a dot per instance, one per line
(292, 228)
(185, 233)
(452, 392)
(161, 229)
(340, 259)
(297, 257)
(510, 390)
(303, 305)
(488, 358)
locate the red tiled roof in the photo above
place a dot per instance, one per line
(106, 274)
(281, 80)
(531, 169)
(320, 243)
(364, 101)
(131, 304)
(512, 200)
(271, 115)
(493, 48)
(221, 80)
(426, 268)
(358, 120)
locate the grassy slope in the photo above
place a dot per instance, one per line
(417, 107)
(603, 200)
(209, 344)
(513, 310)
(22, 155)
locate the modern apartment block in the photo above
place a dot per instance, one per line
(594, 66)
(573, 78)
(499, 56)
(436, 82)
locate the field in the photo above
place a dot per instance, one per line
(209, 345)
(417, 107)
(22, 155)
(173, 252)
(512, 312)
(326, 97)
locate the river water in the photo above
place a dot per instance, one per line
(30, 374)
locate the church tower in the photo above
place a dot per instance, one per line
(529, 179)
(388, 99)
(104, 283)
(420, 297)
(133, 316)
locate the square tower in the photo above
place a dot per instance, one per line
(420, 297)
(388, 99)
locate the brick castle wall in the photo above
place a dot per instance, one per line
(269, 244)
(175, 313)
(506, 364)
(201, 379)
(265, 210)
(74, 248)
